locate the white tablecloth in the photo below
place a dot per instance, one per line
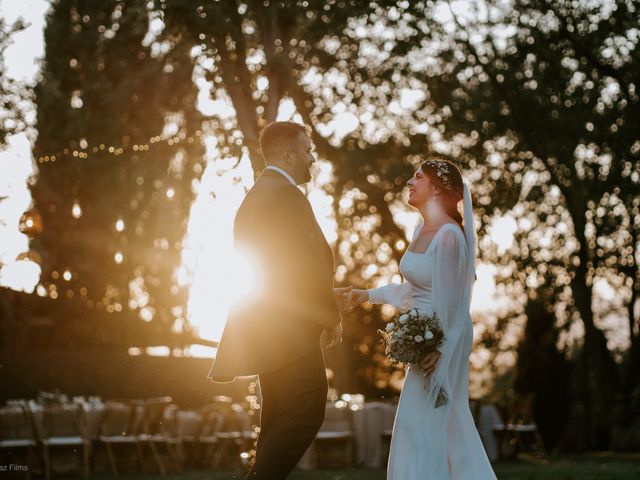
(369, 424)
(488, 417)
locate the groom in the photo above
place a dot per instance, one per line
(276, 332)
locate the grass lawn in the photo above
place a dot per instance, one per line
(600, 466)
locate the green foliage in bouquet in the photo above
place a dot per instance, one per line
(410, 336)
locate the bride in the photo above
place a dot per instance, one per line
(433, 438)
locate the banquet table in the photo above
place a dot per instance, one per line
(370, 424)
(488, 418)
(370, 421)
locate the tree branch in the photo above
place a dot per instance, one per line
(341, 156)
(276, 63)
(237, 80)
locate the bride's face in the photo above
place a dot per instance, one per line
(420, 189)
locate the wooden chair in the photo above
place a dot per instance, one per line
(17, 433)
(520, 433)
(153, 431)
(173, 440)
(337, 428)
(117, 427)
(230, 434)
(188, 432)
(207, 439)
(64, 425)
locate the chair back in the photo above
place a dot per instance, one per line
(16, 423)
(170, 420)
(211, 420)
(336, 419)
(521, 410)
(189, 423)
(63, 420)
(117, 419)
(152, 421)
(228, 419)
(225, 417)
(240, 418)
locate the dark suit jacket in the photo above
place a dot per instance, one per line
(275, 227)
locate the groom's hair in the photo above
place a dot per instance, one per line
(278, 135)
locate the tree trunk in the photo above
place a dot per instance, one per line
(633, 363)
(601, 369)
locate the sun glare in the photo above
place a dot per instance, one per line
(218, 276)
(244, 277)
(21, 275)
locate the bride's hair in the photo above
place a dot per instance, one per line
(445, 175)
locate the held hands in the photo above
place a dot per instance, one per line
(333, 337)
(341, 295)
(355, 298)
(429, 363)
(348, 298)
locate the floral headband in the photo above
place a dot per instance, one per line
(442, 170)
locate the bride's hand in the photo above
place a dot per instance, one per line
(429, 362)
(356, 297)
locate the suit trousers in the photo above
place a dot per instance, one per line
(293, 404)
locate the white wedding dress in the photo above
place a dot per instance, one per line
(438, 443)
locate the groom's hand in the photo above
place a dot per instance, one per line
(334, 336)
(355, 298)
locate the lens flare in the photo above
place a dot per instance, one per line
(244, 276)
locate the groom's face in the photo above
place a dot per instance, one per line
(299, 156)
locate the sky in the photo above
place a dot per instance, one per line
(16, 162)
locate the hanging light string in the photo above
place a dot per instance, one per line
(119, 150)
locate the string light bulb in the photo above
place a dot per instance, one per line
(76, 210)
(117, 150)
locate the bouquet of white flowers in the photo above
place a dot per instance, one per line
(410, 336)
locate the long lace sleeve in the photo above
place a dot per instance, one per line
(451, 296)
(398, 295)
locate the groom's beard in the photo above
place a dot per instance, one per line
(305, 176)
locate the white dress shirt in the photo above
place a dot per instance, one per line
(282, 172)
